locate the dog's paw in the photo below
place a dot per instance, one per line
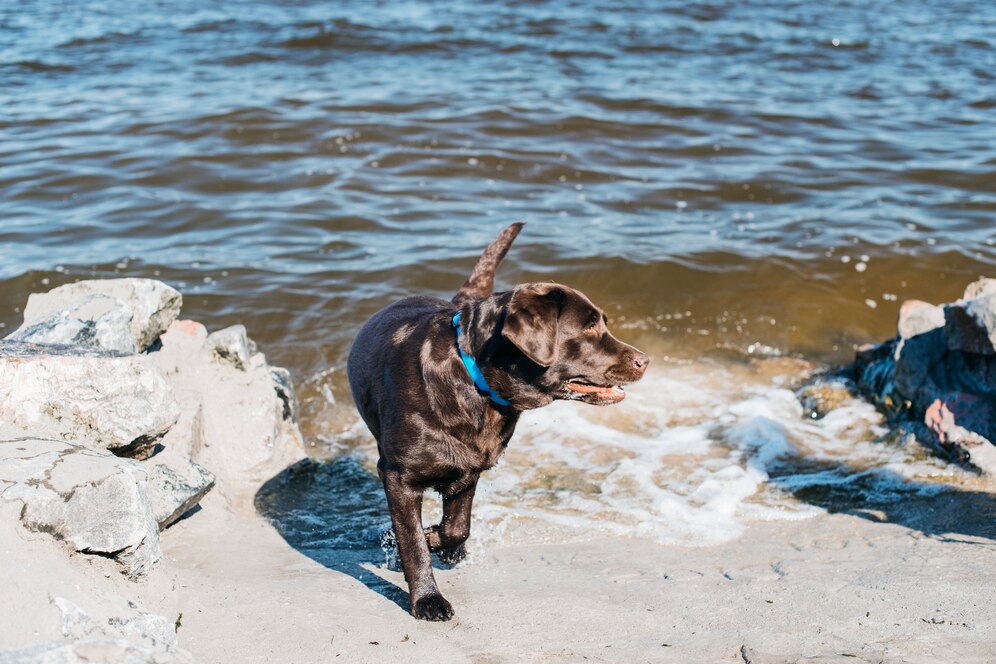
(452, 556)
(432, 607)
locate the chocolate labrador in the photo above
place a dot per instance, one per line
(441, 386)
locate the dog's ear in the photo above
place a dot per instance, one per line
(532, 321)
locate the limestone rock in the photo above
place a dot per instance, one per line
(90, 499)
(88, 651)
(231, 345)
(103, 399)
(241, 417)
(175, 485)
(136, 637)
(979, 288)
(917, 317)
(125, 315)
(95, 320)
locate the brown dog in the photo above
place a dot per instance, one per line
(442, 384)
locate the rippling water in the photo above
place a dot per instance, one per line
(728, 179)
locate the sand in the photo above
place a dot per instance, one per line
(912, 585)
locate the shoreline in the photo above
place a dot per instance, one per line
(905, 579)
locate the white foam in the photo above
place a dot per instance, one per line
(688, 458)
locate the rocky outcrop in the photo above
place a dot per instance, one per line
(232, 345)
(236, 412)
(125, 315)
(176, 484)
(99, 398)
(116, 419)
(937, 377)
(88, 498)
(136, 637)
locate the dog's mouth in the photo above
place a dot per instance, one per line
(598, 394)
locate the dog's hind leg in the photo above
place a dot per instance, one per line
(405, 505)
(453, 530)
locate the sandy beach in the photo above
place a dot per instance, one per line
(788, 207)
(837, 587)
(770, 549)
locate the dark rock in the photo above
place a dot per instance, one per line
(285, 391)
(937, 377)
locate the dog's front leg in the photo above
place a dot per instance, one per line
(454, 528)
(405, 505)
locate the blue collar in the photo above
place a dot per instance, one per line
(474, 370)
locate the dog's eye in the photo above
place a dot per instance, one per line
(592, 329)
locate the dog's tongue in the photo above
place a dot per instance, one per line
(607, 392)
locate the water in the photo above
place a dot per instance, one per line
(734, 182)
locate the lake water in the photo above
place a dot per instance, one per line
(749, 189)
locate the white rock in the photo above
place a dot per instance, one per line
(99, 312)
(89, 499)
(95, 320)
(136, 637)
(88, 651)
(233, 420)
(108, 401)
(917, 317)
(175, 485)
(231, 345)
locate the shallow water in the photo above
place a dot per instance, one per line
(731, 181)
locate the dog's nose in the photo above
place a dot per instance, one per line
(640, 361)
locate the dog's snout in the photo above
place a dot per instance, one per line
(641, 360)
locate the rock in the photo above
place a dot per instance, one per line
(90, 499)
(970, 325)
(125, 315)
(961, 423)
(231, 345)
(285, 392)
(937, 377)
(175, 485)
(918, 317)
(240, 427)
(87, 651)
(96, 320)
(824, 395)
(979, 288)
(136, 637)
(103, 399)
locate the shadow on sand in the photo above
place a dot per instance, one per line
(335, 513)
(938, 510)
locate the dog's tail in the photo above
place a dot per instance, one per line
(481, 281)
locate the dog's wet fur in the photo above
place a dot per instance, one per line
(534, 344)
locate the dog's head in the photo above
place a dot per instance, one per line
(553, 343)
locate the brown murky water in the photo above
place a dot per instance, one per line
(730, 181)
